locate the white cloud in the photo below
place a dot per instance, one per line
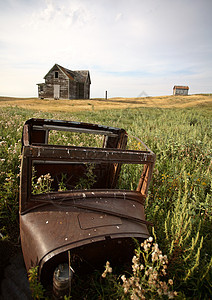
(118, 17)
(127, 46)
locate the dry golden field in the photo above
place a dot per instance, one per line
(51, 105)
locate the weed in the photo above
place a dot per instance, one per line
(35, 286)
(88, 181)
(179, 198)
(149, 275)
(42, 184)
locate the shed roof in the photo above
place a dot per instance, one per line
(80, 76)
(67, 72)
(181, 87)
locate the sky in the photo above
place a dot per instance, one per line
(131, 47)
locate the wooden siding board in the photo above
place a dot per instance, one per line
(180, 90)
(70, 88)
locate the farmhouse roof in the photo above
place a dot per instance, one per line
(181, 87)
(80, 76)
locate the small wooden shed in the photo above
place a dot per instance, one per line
(62, 83)
(180, 90)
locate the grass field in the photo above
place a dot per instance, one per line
(179, 131)
(48, 105)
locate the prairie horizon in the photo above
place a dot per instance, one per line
(74, 105)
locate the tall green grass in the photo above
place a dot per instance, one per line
(179, 198)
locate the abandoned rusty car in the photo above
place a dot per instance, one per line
(95, 222)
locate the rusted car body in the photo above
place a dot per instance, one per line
(95, 224)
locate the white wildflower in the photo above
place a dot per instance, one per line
(150, 239)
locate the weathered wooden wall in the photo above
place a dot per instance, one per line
(180, 92)
(87, 89)
(70, 88)
(62, 81)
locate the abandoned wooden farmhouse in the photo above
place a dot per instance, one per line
(61, 83)
(180, 90)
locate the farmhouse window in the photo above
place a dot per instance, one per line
(56, 75)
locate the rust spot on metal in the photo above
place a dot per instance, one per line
(95, 224)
